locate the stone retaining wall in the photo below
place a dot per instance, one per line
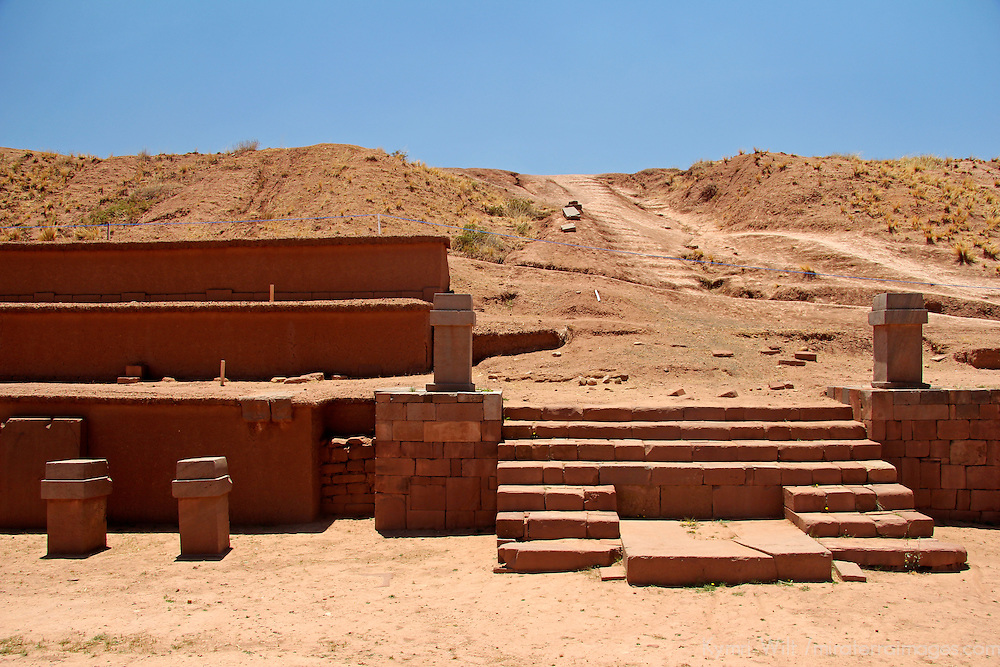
(945, 444)
(347, 477)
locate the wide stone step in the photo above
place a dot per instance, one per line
(896, 554)
(551, 525)
(685, 474)
(691, 553)
(633, 449)
(678, 413)
(848, 498)
(563, 555)
(523, 497)
(686, 430)
(898, 523)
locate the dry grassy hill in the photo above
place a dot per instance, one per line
(664, 266)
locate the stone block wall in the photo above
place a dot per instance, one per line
(347, 477)
(945, 444)
(436, 459)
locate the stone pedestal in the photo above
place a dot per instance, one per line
(897, 319)
(452, 319)
(76, 493)
(202, 490)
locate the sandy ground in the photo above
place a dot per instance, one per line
(339, 593)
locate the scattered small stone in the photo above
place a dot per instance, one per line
(125, 379)
(168, 379)
(722, 353)
(638, 342)
(778, 386)
(568, 227)
(308, 377)
(805, 356)
(676, 391)
(278, 378)
(791, 362)
(557, 354)
(849, 571)
(939, 357)
(731, 393)
(614, 572)
(678, 345)
(492, 376)
(769, 351)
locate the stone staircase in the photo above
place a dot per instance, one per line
(570, 478)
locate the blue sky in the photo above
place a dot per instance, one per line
(536, 87)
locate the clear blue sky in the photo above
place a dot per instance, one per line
(536, 87)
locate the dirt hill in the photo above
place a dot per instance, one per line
(663, 267)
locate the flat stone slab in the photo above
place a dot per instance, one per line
(797, 557)
(676, 553)
(558, 555)
(848, 571)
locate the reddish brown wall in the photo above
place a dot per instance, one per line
(274, 465)
(300, 270)
(944, 443)
(94, 342)
(347, 477)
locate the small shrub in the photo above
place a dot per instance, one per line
(708, 193)
(476, 243)
(245, 146)
(963, 254)
(48, 234)
(807, 272)
(990, 251)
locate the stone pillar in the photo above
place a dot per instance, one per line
(452, 319)
(202, 490)
(76, 493)
(898, 319)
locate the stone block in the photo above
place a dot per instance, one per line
(458, 431)
(426, 497)
(746, 502)
(983, 477)
(390, 512)
(638, 501)
(432, 467)
(463, 493)
(400, 467)
(983, 429)
(691, 502)
(968, 452)
(953, 429)
(412, 431)
(432, 520)
(256, 409)
(203, 524)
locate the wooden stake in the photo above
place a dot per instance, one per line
(222, 373)
(272, 294)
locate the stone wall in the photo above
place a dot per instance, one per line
(347, 477)
(186, 341)
(436, 460)
(945, 444)
(231, 270)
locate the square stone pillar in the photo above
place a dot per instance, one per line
(897, 319)
(452, 319)
(202, 490)
(76, 493)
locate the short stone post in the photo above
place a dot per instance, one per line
(76, 493)
(202, 490)
(898, 319)
(452, 319)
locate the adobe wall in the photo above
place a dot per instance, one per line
(232, 270)
(945, 444)
(273, 455)
(94, 342)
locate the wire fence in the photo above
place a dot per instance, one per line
(632, 253)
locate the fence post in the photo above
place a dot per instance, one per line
(379, 218)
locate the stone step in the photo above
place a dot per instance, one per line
(523, 497)
(554, 525)
(671, 473)
(686, 430)
(632, 449)
(563, 555)
(678, 413)
(898, 523)
(896, 554)
(848, 498)
(690, 553)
